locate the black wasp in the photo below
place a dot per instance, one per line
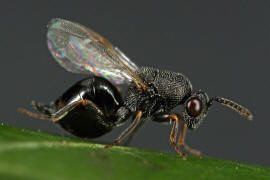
(94, 105)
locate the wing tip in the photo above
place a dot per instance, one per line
(54, 22)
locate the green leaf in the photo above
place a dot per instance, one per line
(27, 154)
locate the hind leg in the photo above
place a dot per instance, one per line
(46, 111)
(50, 112)
(44, 108)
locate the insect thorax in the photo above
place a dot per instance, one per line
(165, 90)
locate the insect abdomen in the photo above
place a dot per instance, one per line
(94, 119)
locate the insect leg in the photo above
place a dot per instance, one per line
(34, 115)
(56, 115)
(44, 108)
(133, 133)
(173, 135)
(127, 131)
(181, 141)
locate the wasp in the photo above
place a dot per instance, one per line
(116, 89)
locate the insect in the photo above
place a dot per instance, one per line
(117, 89)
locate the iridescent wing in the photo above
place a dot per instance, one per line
(79, 49)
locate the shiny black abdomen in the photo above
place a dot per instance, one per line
(96, 118)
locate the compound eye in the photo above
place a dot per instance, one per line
(194, 107)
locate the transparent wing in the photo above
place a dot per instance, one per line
(79, 49)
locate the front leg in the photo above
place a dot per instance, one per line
(181, 141)
(173, 135)
(168, 117)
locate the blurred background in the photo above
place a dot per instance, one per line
(222, 46)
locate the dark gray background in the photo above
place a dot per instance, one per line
(222, 46)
